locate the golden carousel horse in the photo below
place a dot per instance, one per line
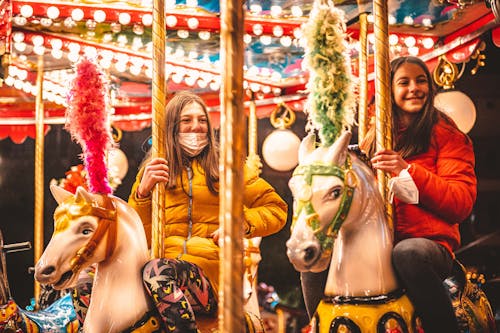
(104, 230)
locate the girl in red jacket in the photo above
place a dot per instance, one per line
(436, 162)
(440, 161)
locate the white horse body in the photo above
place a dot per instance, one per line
(251, 259)
(354, 270)
(360, 263)
(118, 297)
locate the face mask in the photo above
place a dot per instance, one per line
(193, 143)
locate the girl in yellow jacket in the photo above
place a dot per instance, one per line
(185, 281)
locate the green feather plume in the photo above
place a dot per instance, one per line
(330, 105)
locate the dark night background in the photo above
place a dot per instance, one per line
(480, 233)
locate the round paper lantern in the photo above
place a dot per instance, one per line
(281, 150)
(117, 163)
(458, 106)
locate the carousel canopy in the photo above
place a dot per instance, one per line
(118, 35)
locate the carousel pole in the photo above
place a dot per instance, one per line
(39, 172)
(252, 126)
(253, 159)
(383, 118)
(158, 125)
(231, 317)
(363, 75)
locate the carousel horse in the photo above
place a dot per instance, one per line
(251, 262)
(102, 230)
(339, 222)
(59, 317)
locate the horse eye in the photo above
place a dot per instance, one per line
(86, 231)
(334, 193)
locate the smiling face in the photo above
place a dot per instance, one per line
(193, 119)
(410, 89)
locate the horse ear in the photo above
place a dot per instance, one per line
(306, 147)
(59, 193)
(81, 195)
(337, 153)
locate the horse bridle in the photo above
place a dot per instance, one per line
(107, 223)
(345, 173)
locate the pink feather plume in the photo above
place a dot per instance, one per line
(88, 122)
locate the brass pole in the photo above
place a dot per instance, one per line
(252, 126)
(231, 318)
(383, 119)
(363, 76)
(39, 172)
(253, 162)
(158, 123)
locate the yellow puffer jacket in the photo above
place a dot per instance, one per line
(265, 213)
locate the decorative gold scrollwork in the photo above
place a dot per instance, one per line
(282, 116)
(479, 56)
(446, 73)
(116, 133)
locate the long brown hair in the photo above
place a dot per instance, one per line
(416, 138)
(208, 158)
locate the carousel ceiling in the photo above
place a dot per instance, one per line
(55, 34)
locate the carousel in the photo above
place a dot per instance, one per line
(255, 64)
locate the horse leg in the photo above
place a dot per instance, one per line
(313, 289)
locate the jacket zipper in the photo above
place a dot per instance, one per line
(190, 208)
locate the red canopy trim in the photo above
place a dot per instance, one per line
(19, 133)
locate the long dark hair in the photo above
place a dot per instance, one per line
(208, 158)
(416, 138)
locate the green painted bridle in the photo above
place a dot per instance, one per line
(326, 237)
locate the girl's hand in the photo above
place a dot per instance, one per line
(215, 236)
(389, 161)
(156, 171)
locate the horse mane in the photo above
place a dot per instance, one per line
(360, 154)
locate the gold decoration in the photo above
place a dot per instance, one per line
(116, 133)
(479, 56)
(446, 73)
(282, 116)
(351, 179)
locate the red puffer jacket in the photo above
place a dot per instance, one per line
(446, 181)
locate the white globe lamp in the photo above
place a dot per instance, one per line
(280, 149)
(458, 106)
(117, 163)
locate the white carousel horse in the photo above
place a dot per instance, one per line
(102, 229)
(252, 259)
(339, 221)
(92, 228)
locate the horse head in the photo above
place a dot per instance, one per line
(329, 192)
(85, 232)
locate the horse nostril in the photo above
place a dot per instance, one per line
(48, 270)
(310, 253)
